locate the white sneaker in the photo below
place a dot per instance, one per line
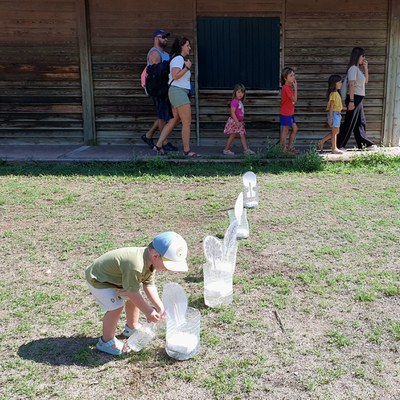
(228, 153)
(249, 152)
(373, 147)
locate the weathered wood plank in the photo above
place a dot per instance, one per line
(312, 34)
(40, 87)
(20, 92)
(38, 7)
(325, 6)
(57, 109)
(42, 48)
(235, 7)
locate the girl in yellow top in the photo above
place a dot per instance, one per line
(334, 108)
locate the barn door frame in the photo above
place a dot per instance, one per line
(391, 133)
(85, 60)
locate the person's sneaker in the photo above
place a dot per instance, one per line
(128, 332)
(228, 153)
(114, 347)
(249, 152)
(373, 147)
(170, 147)
(148, 141)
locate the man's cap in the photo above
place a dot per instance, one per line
(173, 249)
(160, 32)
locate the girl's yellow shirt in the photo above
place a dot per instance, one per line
(337, 102)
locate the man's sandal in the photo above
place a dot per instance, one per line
(114, 347)
(159, 150)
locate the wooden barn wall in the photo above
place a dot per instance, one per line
(121, 35)
(49, 54)
(40, 92)
(262, 107)
(318, 43)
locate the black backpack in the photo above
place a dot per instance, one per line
(157, 79)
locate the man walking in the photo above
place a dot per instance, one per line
(156, 55)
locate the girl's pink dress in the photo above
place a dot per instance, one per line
(231, 127)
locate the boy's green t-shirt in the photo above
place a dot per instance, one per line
(124, 268)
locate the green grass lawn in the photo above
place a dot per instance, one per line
(316, 310)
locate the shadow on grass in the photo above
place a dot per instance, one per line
(197, 302)
(76, 350)
(194, 278)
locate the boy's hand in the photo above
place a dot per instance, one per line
(154, 316)
(162, 312)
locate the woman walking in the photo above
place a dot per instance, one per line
(178, 93)
(354, 120)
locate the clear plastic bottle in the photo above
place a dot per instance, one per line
(243, 228)
(183, 341)
(250, 190)
(218, 284)
(142, 336)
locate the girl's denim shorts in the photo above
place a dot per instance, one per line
(336, 118)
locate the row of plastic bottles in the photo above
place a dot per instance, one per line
(221, 255)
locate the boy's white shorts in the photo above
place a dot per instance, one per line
(109, 299)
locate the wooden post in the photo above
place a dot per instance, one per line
(88, 113)
(391, 134)
(196, 66)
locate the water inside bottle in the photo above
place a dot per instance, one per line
(218, 284)
(183, 340)
(142, 336)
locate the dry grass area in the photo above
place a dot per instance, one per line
(316, 290)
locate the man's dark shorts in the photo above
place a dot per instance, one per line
(163, 108)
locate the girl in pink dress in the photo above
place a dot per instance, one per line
(235, 123)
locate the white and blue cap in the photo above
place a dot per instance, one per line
(173, 250)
